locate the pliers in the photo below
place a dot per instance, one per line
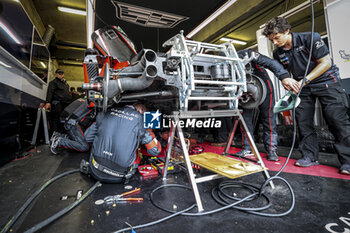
(124, 197)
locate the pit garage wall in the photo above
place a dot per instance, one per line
(337, 20)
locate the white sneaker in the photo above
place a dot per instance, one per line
(244, 153)
(54, 145)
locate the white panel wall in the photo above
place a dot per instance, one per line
(338, 20)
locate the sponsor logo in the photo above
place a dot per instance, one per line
(107, 153)
(112, 173)
(344, 55)
(319, 44)
(300, 48)
(122, 114)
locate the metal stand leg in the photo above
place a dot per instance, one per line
(46, 132)
(254, 148)
(35, 134)
(188, 165)
(41, 111)
(232, 134)
(170, 145)
(187, 160)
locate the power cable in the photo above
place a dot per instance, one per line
(54, 217)
(27, 203)
(63, 211)
(157, 221)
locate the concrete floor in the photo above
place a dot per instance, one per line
(319, 200)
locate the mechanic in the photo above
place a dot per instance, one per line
(322, 82)
(58, 97)
(115, 136)
(78, 116)
(268, 117)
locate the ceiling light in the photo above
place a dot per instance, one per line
(43, 64)
(71, 10)
(211, 18)
(233, 41)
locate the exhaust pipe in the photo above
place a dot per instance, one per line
(147, 56)
(129, 77)
(118, 86)
(149, 72)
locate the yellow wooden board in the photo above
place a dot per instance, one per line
(225, 166)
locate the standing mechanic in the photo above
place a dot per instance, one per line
(266, 108)
(78, 116)
(58, 97)
(322, 82)
(116, 135)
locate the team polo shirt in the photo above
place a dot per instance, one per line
(295, 60)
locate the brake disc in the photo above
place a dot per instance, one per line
(255, 94)
(105, 88)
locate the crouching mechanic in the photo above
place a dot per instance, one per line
(115, 137)
(78, 116)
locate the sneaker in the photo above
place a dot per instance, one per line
(53, 136)
(54, 145)
(345, 169)
(272, 156)
(244, 152)
(305, 162)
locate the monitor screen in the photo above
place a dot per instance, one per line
(16, 30)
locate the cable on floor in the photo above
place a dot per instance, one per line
(54, 217)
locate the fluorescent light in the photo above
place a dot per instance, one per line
(233, 41)
(71, 10)
(16, 0)
(90, 22)
(211, 18)
(43, 64)
(10, 33)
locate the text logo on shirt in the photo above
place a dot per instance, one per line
(151, 120)
(319, 44)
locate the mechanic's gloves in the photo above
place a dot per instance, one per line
(153, 147)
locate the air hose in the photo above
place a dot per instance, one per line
(219, 194)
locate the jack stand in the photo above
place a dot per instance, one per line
(205, 114)
(41, 111)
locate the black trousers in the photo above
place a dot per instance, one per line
(268, 118)
(334, 105)
(55, 122)
(223, 132)
(76, 140)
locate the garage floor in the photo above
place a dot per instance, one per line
(321, 202)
